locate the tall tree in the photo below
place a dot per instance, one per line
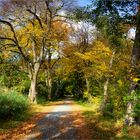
(27, 28)
(135, 72)
(128, 13)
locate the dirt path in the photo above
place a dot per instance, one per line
(61, 121)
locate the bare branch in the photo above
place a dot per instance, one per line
(47, 5)
(14, 40)
(55, 62)
(59, 8)
(38, 19)
(7, 38)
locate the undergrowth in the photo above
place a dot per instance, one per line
(14, 108)
(104, 127)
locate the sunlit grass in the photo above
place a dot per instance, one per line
(105, 127)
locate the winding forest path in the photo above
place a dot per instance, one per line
(62, 120)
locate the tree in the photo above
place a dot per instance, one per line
(58, 35)
(135, 68)
(85, 55)
(119, 10)
(28, 30)
(27, 47)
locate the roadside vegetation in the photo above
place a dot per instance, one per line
(106, 127)
(51, 49)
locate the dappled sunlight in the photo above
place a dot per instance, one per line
(61, 120)
(102, 128)
(64, 120)
(33, 135)
(62, 108)
(69, 69)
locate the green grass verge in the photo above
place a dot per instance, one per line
(105, 127)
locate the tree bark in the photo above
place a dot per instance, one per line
(32, 91)
(105, 95)
(135, 70)
(106, 92)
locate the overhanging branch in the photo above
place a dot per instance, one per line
(38, 19)
(14, 39)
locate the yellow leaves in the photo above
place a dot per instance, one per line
(136, 79)
(99, 56)
(31, 30)
(101, 49)
(6, 55)
(94, 61)
(66, 66)
(120, 83)
(98, 53)
(82, 56)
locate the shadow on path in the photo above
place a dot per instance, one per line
(62, 122)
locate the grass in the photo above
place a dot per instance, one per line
(106, 127)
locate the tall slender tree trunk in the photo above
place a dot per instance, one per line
(105, 95)
(33, 77)
(106, 92)
(129, 117)
(135, 71)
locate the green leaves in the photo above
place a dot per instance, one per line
(12, 105)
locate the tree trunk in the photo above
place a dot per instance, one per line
(135, 71)
(129, 117)
(106, 91)
(49, 83)
(105, 96)
(32, 90)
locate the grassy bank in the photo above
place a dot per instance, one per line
(105, 127)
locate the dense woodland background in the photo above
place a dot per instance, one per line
(53, 48)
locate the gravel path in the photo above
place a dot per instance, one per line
(63, 122)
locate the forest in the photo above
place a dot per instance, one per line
(63, 54)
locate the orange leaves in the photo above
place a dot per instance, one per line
(61, 30)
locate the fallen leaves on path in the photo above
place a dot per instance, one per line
(73, 119)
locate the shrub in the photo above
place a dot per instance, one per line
(12, 105)
(108, 110)
(137, 108)
(42, 93)
(23, 87)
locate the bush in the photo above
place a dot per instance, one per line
(23, 87)
(137, 110)
(42, 93)
(108, 110)
(137, 98)
(12, 105)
